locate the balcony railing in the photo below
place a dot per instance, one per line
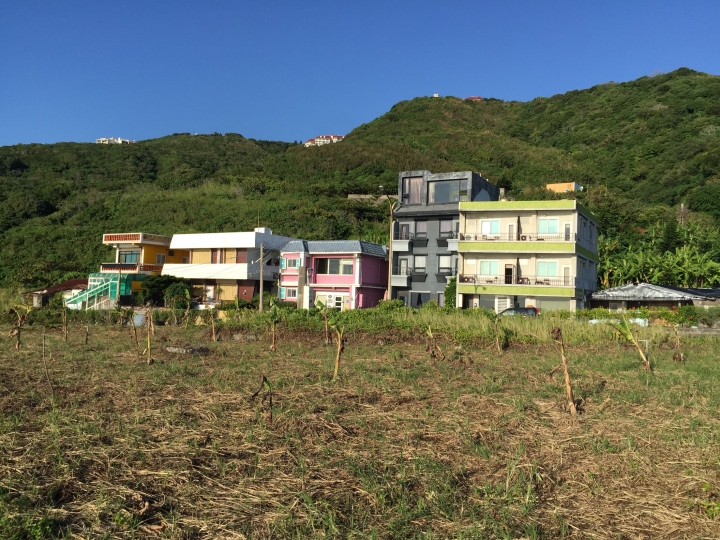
(403, 235)
(130, 268)
(522, 237)
(481, 279)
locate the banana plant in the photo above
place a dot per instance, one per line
(339, 333)
(623, 329)
(325, 314)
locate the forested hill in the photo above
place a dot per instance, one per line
(640, 148)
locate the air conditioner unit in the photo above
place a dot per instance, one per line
(523, 237)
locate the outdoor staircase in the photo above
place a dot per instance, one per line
(102, 293)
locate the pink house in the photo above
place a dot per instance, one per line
(345, 274)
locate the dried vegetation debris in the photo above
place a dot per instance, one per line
(180, 450)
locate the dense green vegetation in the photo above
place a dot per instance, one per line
(640, 149)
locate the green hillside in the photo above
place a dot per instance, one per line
(640, 149)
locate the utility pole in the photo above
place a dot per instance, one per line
(393, 206)
(262, 275)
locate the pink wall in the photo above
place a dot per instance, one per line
(374, 271)
(329, 279)
(369, 297)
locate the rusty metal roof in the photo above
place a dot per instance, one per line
(658, 293)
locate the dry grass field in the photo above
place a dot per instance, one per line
(479, 445)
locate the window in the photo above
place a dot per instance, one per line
(489, 268)
(217, 256)
(411, 188)
(447, 191)
(420, 261)
(445, 264)
(335, 266)
(421, 229)
(446, 228)
(567, 232)
(490, 227)
(548, 226)
(290, 293)
(184, 260)
(289, 263)
(160, 258)
(171, 253)
(547, 269)
(128, 257)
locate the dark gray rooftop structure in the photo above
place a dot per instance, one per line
(425, 231)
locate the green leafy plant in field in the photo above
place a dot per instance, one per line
(450, 292)
(432, 346)
(623, 329)
(324, 312)
(339, 333)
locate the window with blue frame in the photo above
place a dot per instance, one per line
(547, 269)
(548, 226)
(128, 257)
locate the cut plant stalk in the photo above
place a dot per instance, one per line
(16, 332)
(64, 323)
(149, 315)
(274, 317)
(678, 356)
(558, 338)
(432, 347)
(47, 374)
(266, 390)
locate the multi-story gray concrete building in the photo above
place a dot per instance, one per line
(425, 231)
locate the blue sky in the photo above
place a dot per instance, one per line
(288, 70)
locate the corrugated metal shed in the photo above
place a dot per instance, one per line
(657, 293)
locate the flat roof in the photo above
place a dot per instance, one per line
(228, 240)
(499, 206)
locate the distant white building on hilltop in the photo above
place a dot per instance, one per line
(324, 139)
(111, 140)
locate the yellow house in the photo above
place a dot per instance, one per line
(137, 256)
(141, 253)
(564, 187)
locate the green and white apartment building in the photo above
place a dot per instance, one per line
(526, 253)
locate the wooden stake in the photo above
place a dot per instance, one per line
(87, 334)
